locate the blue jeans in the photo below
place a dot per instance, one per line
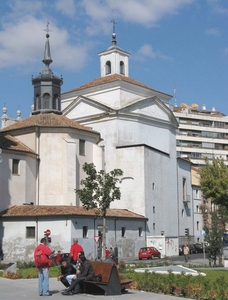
(43, 285)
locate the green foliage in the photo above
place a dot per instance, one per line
(99, 189)
(214, 226)
(25, 265)
(208, 287)
(214, 181)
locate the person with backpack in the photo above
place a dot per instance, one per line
(43, 263)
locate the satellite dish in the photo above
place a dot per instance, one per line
(194, 105)
(184, 105)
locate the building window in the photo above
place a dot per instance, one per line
(15, 166)
(197, 208)
(37, 102)
(153, 209)
(140, 231)
(184, 190)
(46, 101)
(153, 226)
(30, 232)
(182, 213)
(85, 231)
(82, 147)
(108, 68)
(122, 69)
(123, 232)
(153, 186)
(197, 225)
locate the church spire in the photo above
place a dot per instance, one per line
(47, 51)
(114, 32)
(47, 86)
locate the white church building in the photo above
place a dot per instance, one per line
(113, 121)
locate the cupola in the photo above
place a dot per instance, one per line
(114, 60)
(47, 86)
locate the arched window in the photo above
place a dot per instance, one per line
(55, 102)
(37, 102)
(108, 67)
(46, 101)
(122, 68)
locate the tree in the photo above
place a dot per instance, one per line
(214, 186)
(99, 190)
(214, 226)
(214, 181)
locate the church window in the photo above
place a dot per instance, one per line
(37, 106)
(46, 101)
(140, 231)
(30, 232)
(108, 68)
(123, 231)
(15, 166)
(55, 102)
(82, 147)
(122, 68)
(85, 231)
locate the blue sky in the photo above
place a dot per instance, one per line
(179, 45)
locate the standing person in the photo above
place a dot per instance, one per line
(74, 251)
(43, 263)
(85, 272)
(66, 270)
(107, 252)
(58, 258)
(186, 252)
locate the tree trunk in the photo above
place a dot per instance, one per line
(104, 238)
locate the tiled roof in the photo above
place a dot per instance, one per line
(46, 120)
(11, 143)
(107, 79)
(62, 210)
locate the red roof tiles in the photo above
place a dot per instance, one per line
(63, 210)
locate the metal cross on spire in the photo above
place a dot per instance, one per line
(47, 28)
(114, 24)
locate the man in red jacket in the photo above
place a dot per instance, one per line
(43, 285)
(75, 249)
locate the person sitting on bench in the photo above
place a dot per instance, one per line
(85, 272)
(66, 270)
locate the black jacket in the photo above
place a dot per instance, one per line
(86, 270)
(68, 270)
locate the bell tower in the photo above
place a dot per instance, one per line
(114, 60)
(47, 86)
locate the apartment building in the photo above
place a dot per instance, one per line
(201, 133)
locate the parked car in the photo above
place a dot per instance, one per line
(199, 248)
(149, 253)
(192, 249)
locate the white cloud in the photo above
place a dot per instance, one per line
(67, 8)
(146, 51)
(213, 32)
(23, 43)
(144, 12)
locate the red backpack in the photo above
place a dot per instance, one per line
(40, 259)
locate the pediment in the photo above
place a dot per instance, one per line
(84, 107)
(151, 107)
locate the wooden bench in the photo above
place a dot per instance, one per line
(111, 283)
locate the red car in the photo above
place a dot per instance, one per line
(149, 253)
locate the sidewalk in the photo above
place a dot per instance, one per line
(21, 289)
